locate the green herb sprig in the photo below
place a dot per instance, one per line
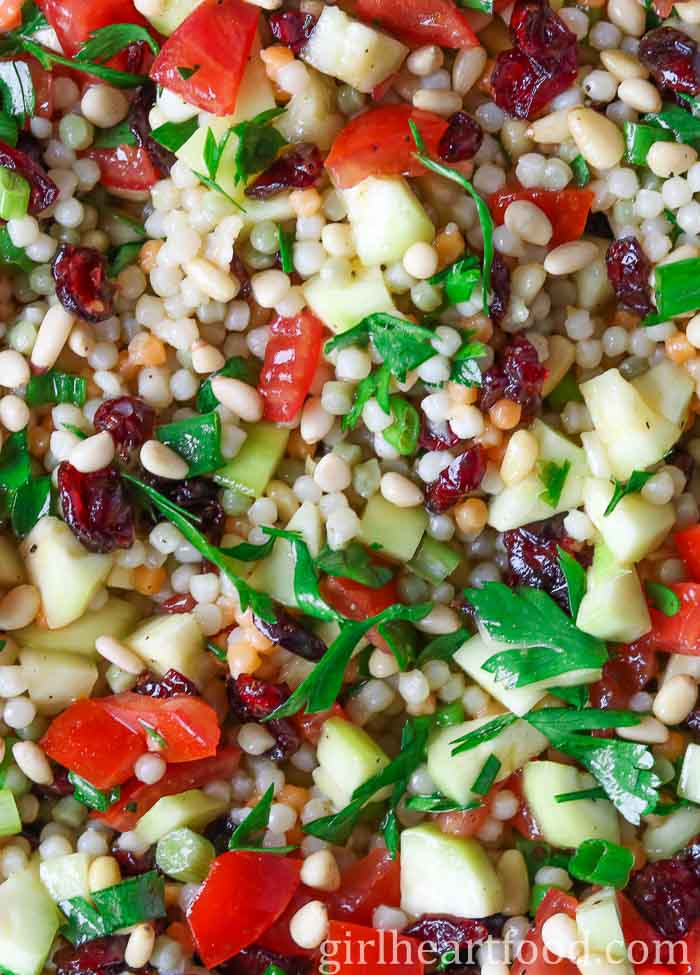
(634, 485)
(246, 836)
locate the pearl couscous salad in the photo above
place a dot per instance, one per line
(349, 527)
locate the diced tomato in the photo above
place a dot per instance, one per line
(310, 725)
(137, 797)
(367, 883)
(75, 20)
(643, 940)
(43, 88)
(688, 545)
(10, 14)
(125, 168)
(89, 740)
(463, 823)
(357, 950)
(355, 601)
(291, 358)
(379, 143)
(244, 893)
(535, 960)
(188, 725)
(420, 21)
(215, 40)
(679, 633)
(567, 209)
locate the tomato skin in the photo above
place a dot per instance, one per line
(535, 963)
(420, 22)
(89, 740)
(679, 633)
(379, 143)
(355, 601)
(244, 893)
(365, 884)
(311, 725)
(75, 20)
(635, 928)
(189, 725)
(363, 950)
(688, 545)
(291, 359)
(177, 778)
(10, 14)
(218, 37)
(567, 209)
(125, 168)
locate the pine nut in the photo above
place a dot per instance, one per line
(52, 336)
(552, 128)
(425, 60)
(160, 460)
(623, 65)
(526, 220)
(689, 12)
(139, 947)
(217, 284)
(649, 731)
(119, 655)
(93, 454)
(33, 762)
(398, 490)
(441, 619)
(675, 700)
(243, 400)
(18, 607)
(640, 95)
(14, 369)
(320, 871)
(434, 100)
(512, 872)
(670, 159)
(560, 936)
(520, 457)
(571, 257)
(309, 926)
(628, 15)
(103, 872)
(598, 139)
(206, 358)
(468, 68)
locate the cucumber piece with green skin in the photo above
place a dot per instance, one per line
(10, 823)
(386, 218)
(29, 921)
(673, 833)
(275, 574)
(347, 757)
(634, 435)
(66, 574)
(66, 876)
(454, 775)
(166, 642)
(520, 504)
(398, 531)
(185, 855)
(567, 824)
(668, 390)
(116, 618)
(194, 809)
(445, 874)
(634, 528)
(614, 607)
(251, 470)
(56, 679)
(599, 926)
(341, 305)
(689, 780)
(434, 561)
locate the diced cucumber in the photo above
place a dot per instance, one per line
(66, 574)
(397, 530)
(598, 923)
(193, 808)
(170, 641)
(29, 920)
(674, 832)
(55, 679)
(689, 781)
(252, 468)
(275, 574)
(311, 115)
(614, 607)
(347, 756)
(445, 874)
(434, 561)
(519, 504)
(10, 823)
(116, 618)
(386, 217)
(11, 565)
(340, 305)
(454, 775)
(567, 824)
(667, 389)
(352, 52)
(119, 680)
(634, 528)
(185, 855)
(66, 876)
(634, 435)
(171, 14)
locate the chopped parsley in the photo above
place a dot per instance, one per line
(258, 144)
(105, 42)
(553, 476)
(635, 484)
(353, 562)
(246, 836)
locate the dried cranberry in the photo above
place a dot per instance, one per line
(240, 271)
(162, 158)
(292, 28)
(672, 59)
(297, 169)
(170, 685)
(61, 785)
(533, 558)
(681, 459)
(629, 670)
(538, 32)
(92, 958)
(461, 140)
(196, 495)
(692, 722)
(95, 508)
(667, 892)
(462, 476)
(598, 225)
(255, 960)
(500, 283)
(446, 932)
(133, 864)
(288, 632)
(628, 272)
(128, 419)
(253, 699)
(181, 603)
(218, 832)
(436, 436)
(287, 740)
(82, 284)
(43, 191)
(517, 375)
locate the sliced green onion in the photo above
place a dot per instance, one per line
(9, 254)
(285, 239)
(677, 288)
(185, 855)
(173, 135)
(449, 714)
(485, 6)
(602, 862)
(15, 463)
(434, 561)
(639, 139)
(89, 795)
(595, 792)
(56, 387)
(438, 803)
(14, 194)
(487, 775)
(404, 431)
(579, 167)
(198, 440)
(662, 598)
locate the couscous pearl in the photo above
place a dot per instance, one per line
(149, 768)
(104, 106)
(421, 260)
